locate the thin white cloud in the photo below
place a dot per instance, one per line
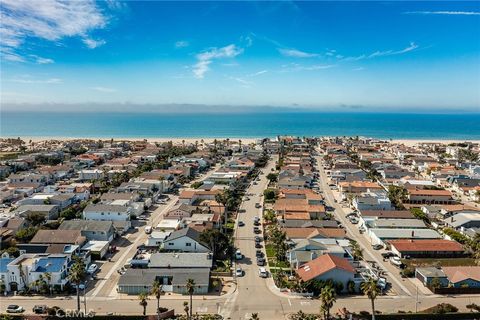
(412, 46)
(296, 53)
(294, 67)
(206, 58)
(242, 81)
(92, 43)
(446, 13)
(41, 60)
(28, 80)
(50, 20)
(257, 73)
(181, 44)
(104, 89)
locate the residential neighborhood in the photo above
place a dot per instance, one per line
(303, 216)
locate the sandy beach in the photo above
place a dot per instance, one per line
(408, 142)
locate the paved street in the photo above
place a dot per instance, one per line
(253, 294)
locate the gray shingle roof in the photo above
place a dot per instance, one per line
(180, 260)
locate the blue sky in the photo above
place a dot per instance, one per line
(383, 55)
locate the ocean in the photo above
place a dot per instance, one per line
(247, 125)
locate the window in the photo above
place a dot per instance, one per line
(188, 244)
(171, 243)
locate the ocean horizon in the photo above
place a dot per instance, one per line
(241, 125)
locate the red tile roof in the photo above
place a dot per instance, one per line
(426, 245)
(323, 264)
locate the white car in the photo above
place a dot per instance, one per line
(395, 261)
(238, 255)
(262, 272)
(239, 272)
(13, 308)
(92, 268)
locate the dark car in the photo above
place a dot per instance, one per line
(258, 239)
(258, 245)
(40, 309)
(259, 254)
(260, 262)
(256, 230)
(387, 254)
(241, 223)
(256, 223)
(377, 246)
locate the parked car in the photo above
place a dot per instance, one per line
(40, 309)
(387, 254)
(14, 308)
(377, 246)
(148, 229)
(92, 268)
(238, 255)
(258, 205)
(259, 254)
(256, 230)
(258, 245)
(258, 239)
(241, 223)
(396, 261)
(260, 262)
(262, 272)
(239, 272)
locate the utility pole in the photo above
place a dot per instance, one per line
(85, 299)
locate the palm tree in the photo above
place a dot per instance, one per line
(327, 295)
(371, 290)
(143, 297)
(157, 292)
(186, 308)
(190, 289)
(76, 275)
(48, 279)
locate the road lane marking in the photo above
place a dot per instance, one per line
(289, 302)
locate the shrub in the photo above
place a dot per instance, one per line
(442, 308)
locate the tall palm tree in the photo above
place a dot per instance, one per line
(190, 290)
(157, 292)
(77, 275)
(327, 295)
(143, 297)
(371, 290)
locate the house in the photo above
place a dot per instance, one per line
(90, 229)
(372, 201)
(459, 277)
(429, 196)
(396, 224)
(427, 274)
(306, 250)
(327, 267)
(50, 211)
(382, 236)
(367, 216)
(25, 270)
(97, 248)
(171, 269)
(168, 225)
(73, 237)
(157, 238)
(105, 212)
(308, 223)
(314, 233)
(90, 174)
(185, 240)
(424, 248)
(180, 211)
(284, 207)
(136, 281)
(463, 220)
(355, 187)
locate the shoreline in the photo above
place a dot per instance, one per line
(408, 142)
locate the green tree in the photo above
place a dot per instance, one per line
(371, 290)
(419, 214)
(219, 243)
(157, 292)
(270, 194)
(190, 290)
(77, 275)
(397, 195)
(273, 177)
(143, 298)
(25, 235)
(327, 296)
(35, 218)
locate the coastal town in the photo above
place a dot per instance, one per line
(273, 228)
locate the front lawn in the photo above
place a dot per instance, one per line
(270, 250)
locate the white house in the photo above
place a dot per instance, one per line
(105, 212)
(185, 240)
(90, 174)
